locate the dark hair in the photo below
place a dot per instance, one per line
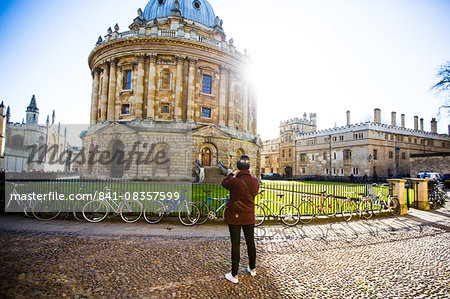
(243, 163)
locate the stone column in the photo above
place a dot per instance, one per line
(421, 186)
(230, 100)
(94, 101)
(222, 95)
(151, 87)
(178, 87)
(191, 90)
(140, 87)
(245, 108)
(104, 100)
(112, 90)
(399, 192)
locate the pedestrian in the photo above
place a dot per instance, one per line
(240, 214)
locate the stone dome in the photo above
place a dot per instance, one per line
(197, 10)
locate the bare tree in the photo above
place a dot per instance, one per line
(443, 86)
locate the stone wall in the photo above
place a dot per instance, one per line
(438, 162)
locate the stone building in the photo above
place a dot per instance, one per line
(270, 156)
(49, 142)
(172, 86)
(366, 149)
(289, 130)
(434, 162)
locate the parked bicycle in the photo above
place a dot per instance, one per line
(362, 205)
(288, 213)
(16, 198)
(155, 210)
(130, 210)
(437, 195)
(206, 208)
(327, 205)
(384, 201)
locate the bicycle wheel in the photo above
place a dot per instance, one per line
(365, 208)
(330, 207)
(289, 215)
(77, 211)
(154, 211)
(260, 215)
(46, 210)
(130, 210)
(347, 209)
(394, 206)
(95, 211)
(307, 212)
(203, 210)
(223, 212)
(188, 214)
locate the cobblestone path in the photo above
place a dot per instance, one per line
(406, 262)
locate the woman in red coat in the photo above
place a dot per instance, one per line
(240, 213)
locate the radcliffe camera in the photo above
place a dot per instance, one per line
(144, 143)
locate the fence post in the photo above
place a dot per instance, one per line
(421, 196)
(399, 192)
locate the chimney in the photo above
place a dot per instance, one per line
(394, 119)
(348, 118)
(403, 121)
(433, 125)
(416, 123)
(421, 124)
(377, 116)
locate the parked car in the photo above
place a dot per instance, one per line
(272, 176)
(430, 175)
(445, 179)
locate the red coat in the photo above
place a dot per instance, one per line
(241, 206)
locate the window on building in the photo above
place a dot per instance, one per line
(327, 171)
(324, 156)
(313, 157)
(341, 138)
(303, 170)
(375, 154)
(403, 156)
(127, 80)
(334, 156)
(347, 154)
(290, 153)
(355, 171)
(282, 153)
(302, 157)
(342, 171)
(206, 112)
(334, 171)
(267, 160)
(125, 109)
(386, 136)
(207, 83)
(165, 108)
(165, 79)
(335, 138)
(391, 155)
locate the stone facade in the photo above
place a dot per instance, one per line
(289, 130)
(21, 136)
(366, 149)
(437, 162)
(270, 156)
(174, 73)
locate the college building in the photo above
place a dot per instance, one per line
(174, 83)
(369, 149)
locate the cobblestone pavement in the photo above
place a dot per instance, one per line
(396, 257)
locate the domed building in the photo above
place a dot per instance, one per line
(169, 94)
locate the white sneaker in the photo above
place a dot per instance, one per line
(252, 272)
(231, 278)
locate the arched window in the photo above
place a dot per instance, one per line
(165, 79)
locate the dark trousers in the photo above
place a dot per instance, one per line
(235, 234)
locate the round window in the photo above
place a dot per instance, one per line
(161, 2)
(197, 4)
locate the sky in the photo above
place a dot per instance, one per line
(315, 56)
